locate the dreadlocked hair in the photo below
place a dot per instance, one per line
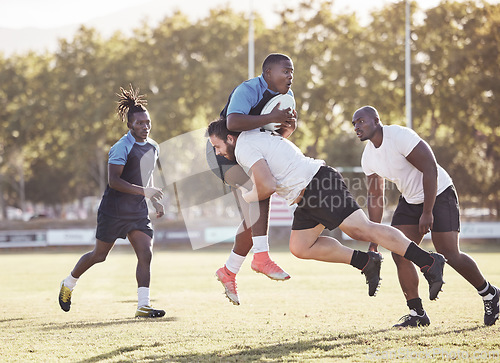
(130, 102)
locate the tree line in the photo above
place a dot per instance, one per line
(58, 108)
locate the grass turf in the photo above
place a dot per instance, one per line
(322, 314)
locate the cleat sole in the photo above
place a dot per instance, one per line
(226, 293)
(288, 277)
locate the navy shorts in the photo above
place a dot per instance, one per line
(446, 212)
(326, 201)
(111, 228)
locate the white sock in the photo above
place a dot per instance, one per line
(260, 244)
(234, 262)
(142, 296)
(70, 282)
(485, 289)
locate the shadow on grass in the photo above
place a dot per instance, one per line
(103, 324)
(9, 320)
(335, 347)
(114, 353)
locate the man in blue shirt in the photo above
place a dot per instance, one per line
(123, 211)
(242, 113)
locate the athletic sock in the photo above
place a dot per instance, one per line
(416, 305)
(359, 259)
(229, 272)
(418, 256)
(260, 244)
(486, 289)
(70, 282)
(143, 296)
(234, 262)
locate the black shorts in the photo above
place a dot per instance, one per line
(446, 212)
(111, 228)
(326, 201)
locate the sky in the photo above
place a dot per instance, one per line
(38, 25)
(55, 13)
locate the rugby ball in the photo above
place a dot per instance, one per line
(285, 100)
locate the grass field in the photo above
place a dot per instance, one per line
(322, 314)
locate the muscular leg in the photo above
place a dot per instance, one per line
(243, 241)
(143, 248)
(259, 217)
(251, 233)
(447, 244)
(308, 244)
(359, 227)
(255, 215)
(407, 273)
(98, 254)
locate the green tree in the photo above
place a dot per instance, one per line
(58, 109)
(457, 90)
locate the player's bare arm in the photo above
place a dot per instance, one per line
(422, 158)
(117, 183)
(375, 201)
(264, 183)
(241, 122)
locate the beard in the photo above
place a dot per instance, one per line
(230, 152)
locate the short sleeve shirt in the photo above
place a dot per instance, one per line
(291, 168)
(138, 160)
(247, 95)
(389, 161)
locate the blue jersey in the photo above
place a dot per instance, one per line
(138, 160)
(247, 96)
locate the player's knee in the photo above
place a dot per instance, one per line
(100, 257)
(448, 253)
(145, 255)
(297, 250)
(299, 253)
(452, 257)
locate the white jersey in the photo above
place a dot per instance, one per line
(389, 161)
(291, 168)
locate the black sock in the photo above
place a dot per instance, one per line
(418, 256)
(416, 305)
(486, 289)
(359, 259)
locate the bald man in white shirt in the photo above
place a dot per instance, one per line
(428, 203)
(323, 201)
